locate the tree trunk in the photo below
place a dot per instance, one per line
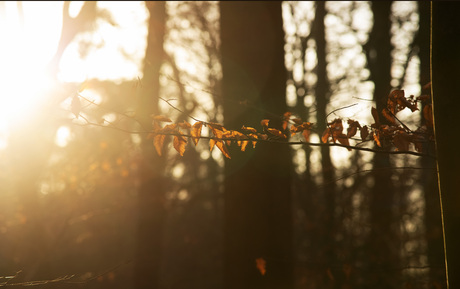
(429, 179)
(383, 246)
(258, 221)
(445, 65)
(323, 237)
(151, 191)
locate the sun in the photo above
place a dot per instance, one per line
(29, 34)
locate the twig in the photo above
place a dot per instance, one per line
(378, 169)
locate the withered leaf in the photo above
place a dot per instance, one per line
(377, 138)
(403, 102)
(401, 141)
(169, 128)
(286, 117)
(390, 117)
(223, 149)
(212, 142)
(297, 120)
(295, 129)
(243, 145)
(364, 133)
(336, 128)
(284, 125)
(261, 265)
(179, 144)
(428, 115)
(248, 129)
(265, 122)
(217, 133)
(262, 136)
(276, 132)
(396, 94)
(352, 128)
(215, 126)
(254, 142)
(196, 132)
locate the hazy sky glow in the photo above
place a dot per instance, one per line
(29, 44)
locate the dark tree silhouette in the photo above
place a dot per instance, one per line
(152, 188)
(383, 239)
(429, 179)
(257, 216)
(322, 237)
(445, 63)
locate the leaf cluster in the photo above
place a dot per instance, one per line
(388, 134)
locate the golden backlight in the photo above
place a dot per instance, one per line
(29, 37)
(29, 34)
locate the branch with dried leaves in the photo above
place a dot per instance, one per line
(393, 137)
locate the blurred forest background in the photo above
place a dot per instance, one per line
(87, 202)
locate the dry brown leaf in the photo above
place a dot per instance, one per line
(158, 141)
(265, 122)
(223, 149)
(284, 125)
(377, 138)
(262, 136)
(243, 145)
(212, 142)
(248, 129)
(352, 128)
(401, 141)
(196, 132)
(169, 128)
(336, 127)
(390, 117)
(179, 144)
(276, 132)
(215, 126)
(261, 265)
(396, 94)
(364, 133)
(297, 120)
(253, 136)
(428, 115)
